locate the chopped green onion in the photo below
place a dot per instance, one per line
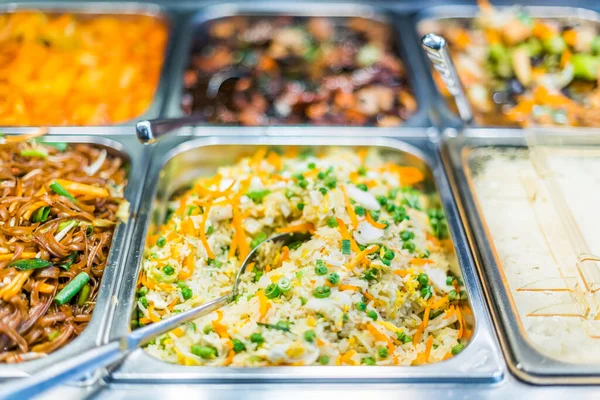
(346, 247)
(39, 153)
(72, 288)
(53, 335)
(333, 278)
(280, 326)
(67, 225)
(70, 260)
(321, 268)
(257, 275)
(260, 237)
(60, 146)
(61, 191)
(289, 194)
(32, 263)
(84, 295)
(210, 230)
(272, 291)
(258, 195)
(295, 245)
(41, 214)
(322, 292)
(284, 284)
(205, 352)
(457, 349)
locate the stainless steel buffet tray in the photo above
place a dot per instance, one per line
(441, 105)
(179, 160)
(119, 142)
(172, 20)
(400, 24)
(552, 283)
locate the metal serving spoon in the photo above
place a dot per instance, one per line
(116, 350)
(436, 49)
(149, 131)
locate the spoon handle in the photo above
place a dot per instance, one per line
(436, 49)
(149, 131)
(143, 335)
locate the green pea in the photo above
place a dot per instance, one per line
(310, 336)
(452, 295)
(303, 184)
(362, 170)
(323, 191)
(423, 279)
(361, 306)
(555, 45)
(257, 338)
(323, 360)
(260, 237)
(143, 301)
(368, 361)
(449, 280)
(390, 207)
(362, 187)
(186, 293)
(426, 292)
(142, 291)
(407, 235)
(161, 241)
(168, 270)
(321, 175)
(238, 345)
(383, 352)
(332, 222)
(205, 352)
(360, 211)
(409, 246)
(312, 165)
(289, 194)
(300, 206)
(331, 183)
(389, 254)
(372, 314)
(382, 200)
(208, 328)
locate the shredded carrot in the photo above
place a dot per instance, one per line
(151, 315)
(46, 288)
(441, 302)
(188, 268)
(354, 177)
(343, 287)
(76, 188)
(368, 296)
(450, 312)
(268, 268)
(203, 238)
(263, 304)
(492, 36)
(433, 240)
(229, 358)
(218, 327)
(460, 322)
(350, 209)
(166, 287)
(462, 39)
(565, 58)
(484, 4)
(447, 356)
(307, 227)
(408, 175)
(346, 235)
(402, 272)
(374, 223)
(381, 337)
(362, 154)
(25, 254)
(311, 173)
(15, 285)
(250, 267)
(172, 304)
(421, 261)
(542, 31)
(148, 282)
(369, 250)
(145, 320)
(285, 254)
(23, 138)
(178, 332)
(422, 326)
(275, 160)
(258, 157)
(428, 347)
(570, 37)
(347, 357)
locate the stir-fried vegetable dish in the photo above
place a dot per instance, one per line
(65, 69)
(522, 70)
(59, 206)
(376, 283)
(294, 70)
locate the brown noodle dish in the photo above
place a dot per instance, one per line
(59, 206)
(67, 69)
(297, 70)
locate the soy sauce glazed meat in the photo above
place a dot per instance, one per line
(59, 206)
(297, 70)
(521, 70)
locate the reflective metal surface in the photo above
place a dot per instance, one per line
(178, 160)
(525, 360)
(126, 146)
(399, 23)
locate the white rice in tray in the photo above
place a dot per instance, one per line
(372, 286)
(540, 229)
